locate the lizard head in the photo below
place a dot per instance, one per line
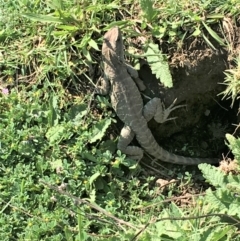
(113, 43)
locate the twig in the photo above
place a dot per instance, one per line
(172, 199)
(91, 205)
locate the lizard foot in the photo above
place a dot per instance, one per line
(126, 136)
(162, 113)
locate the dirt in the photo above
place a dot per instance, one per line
(197, 72)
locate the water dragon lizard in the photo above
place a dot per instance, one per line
(124, 85)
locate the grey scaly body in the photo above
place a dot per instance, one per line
(127, 102)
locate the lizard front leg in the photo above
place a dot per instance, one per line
(126, 135)
(104, 87)
(134, 74)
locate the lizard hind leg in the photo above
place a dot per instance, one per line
(156, 109)
(126, 136)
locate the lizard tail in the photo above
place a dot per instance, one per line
(151, 146)
(172, 158)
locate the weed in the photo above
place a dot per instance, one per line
(232, 81)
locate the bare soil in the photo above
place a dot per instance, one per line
(198, 72)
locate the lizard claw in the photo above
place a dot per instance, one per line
(163, 113)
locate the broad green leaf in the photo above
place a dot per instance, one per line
(89, 156)
(108, 145)
(231, 139)
(216, 234)
(206, 235)
(213, 175)
(68, 233)
(77, 111)
(53, 111)
(26, 148)
(60, 33)
(215, 201)
(99, 130)
(234, 209)
(100, 184)
(159, 64)
(56, 163)
(161, 228)
(93, 44)
(55, 134)
(172, 33)
(122, 23)
(56, 4)
(147, 7)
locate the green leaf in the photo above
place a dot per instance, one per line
(213, 175)
(217, 234)
(55, 134)
(85, 40)
(94, 177)
(234, 186)
(197, 32)
(57, 163)
(215, 201)
(99, 130)
(214, 35)
(70, 28)
(159, 64)
(215, 16)
(42, 18)
(53, 111)
(147, 7)
(77, 112)
(208, 41)
(56, 4)
(232, 81)
(88, 156)
(93, 44)
(92, 196)
(234, 209)
(26, 148)
(109, 145)
(234, 145)
(87, 54)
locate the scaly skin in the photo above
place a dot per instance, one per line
(127, 102)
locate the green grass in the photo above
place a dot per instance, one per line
(54, 145)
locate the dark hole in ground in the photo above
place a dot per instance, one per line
(199, 130)
(206, 138)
